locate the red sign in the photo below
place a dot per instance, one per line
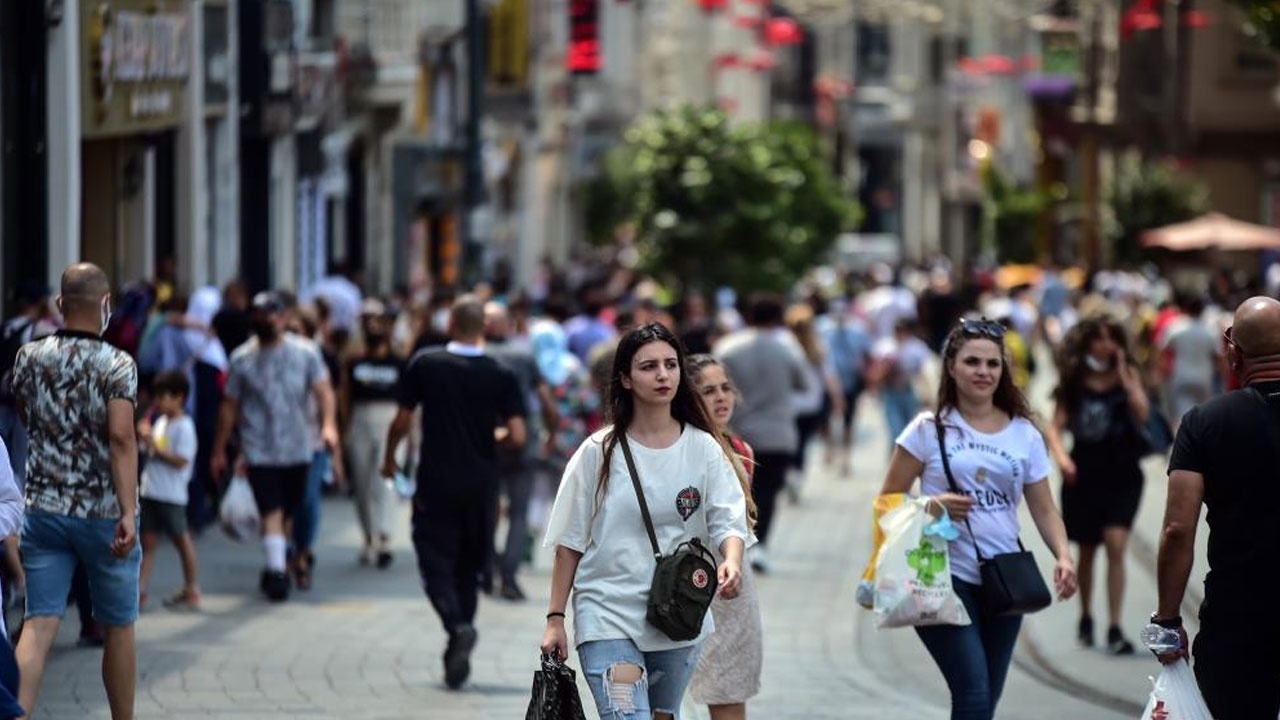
(584, 37)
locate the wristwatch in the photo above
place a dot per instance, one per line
(1172, 623)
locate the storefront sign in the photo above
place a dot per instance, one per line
(136, 57)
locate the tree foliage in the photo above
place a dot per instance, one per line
(1262, 20)
(716, 203)
(1010, 213)
(1145, 195)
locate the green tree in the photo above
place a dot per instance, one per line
(1145, 195)
(1262, 20)
(715, 203)
(1010, 213)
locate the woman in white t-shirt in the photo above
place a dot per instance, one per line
(997, 457)
(603, 552)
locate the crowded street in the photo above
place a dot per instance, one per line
(364, 643)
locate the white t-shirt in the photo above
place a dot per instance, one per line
(691, 491)
(1195, 352)
(160, 480)
(992, 469)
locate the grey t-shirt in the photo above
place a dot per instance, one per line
(272, 386)
(769, 376)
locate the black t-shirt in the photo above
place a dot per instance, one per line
(374, 379)
(462, 398)
(1234, 442)
(233, 328)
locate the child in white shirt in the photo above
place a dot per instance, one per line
(170, 445)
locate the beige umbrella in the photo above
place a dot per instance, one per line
(1211, 231)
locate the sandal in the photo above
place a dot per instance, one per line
(302, 575)
(183, 600)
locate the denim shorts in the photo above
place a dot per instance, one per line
(52, 546)
(665, 676)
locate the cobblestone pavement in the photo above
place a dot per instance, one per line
(365, 643)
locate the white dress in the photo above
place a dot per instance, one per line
(728, 670)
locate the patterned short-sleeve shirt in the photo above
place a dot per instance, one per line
(65, 383)
(273, 386)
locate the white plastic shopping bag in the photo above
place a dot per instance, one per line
(1176, 696)
(238, 512)
(913, 570)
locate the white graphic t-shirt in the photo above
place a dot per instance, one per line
(991, 468)
(691, 491)
(160, 480)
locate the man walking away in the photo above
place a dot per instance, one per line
(76, 395)
(1225, 456)
(463, 394)
(517, 467)
(770, 376)
(271, 379)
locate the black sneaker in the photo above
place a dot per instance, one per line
(1116, 642)
(457, 656)
(275, 585)
(511, 591)
(1084, 632)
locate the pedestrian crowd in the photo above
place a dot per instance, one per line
(615, 422)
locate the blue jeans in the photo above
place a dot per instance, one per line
(664, 677)
(900, 406)
(973, 658)
(53, 545)
(306, 519)
(14, 435)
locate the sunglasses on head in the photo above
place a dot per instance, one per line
(983, 328)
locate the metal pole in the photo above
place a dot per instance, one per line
(474, 196)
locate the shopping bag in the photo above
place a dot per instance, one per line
(238, 513)
(913, 572)
(1175, 696)
(555, 693)
(865, 594)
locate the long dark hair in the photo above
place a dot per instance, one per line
(1072, 369)
(620, 407)
(1008, 398)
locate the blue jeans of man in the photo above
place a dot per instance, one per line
(974, 659)
(900, 406)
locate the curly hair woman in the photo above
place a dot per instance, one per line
(1102, 403)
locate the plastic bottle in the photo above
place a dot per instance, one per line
(1160, 639)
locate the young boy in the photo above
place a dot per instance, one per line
(170, 445)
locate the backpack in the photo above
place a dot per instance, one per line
(11, 341)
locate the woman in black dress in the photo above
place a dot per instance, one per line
(1102, 403)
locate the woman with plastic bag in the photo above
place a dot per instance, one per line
(996, 456)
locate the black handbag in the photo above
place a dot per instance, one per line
(684, 582)
(1011, 582)
(555, 693)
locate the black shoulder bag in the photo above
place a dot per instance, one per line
(1011, 582)
(684, 582)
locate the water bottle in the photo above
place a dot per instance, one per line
(1161, 640)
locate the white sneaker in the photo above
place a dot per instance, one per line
(759, 562)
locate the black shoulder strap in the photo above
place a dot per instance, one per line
(951, 480)
(635, 482)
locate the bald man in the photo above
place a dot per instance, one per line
(1226, 457)
(76, 395)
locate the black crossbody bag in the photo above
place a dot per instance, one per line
(684, 582)
(1011, 582)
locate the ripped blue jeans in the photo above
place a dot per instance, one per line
(663, 678)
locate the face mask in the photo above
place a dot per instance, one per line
(265, 330)
(1095, 364)
(106, 316)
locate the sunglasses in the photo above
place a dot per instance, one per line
(983, 328)
(1226, 337)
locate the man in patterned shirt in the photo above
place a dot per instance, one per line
(271, 379)
(76, 395)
